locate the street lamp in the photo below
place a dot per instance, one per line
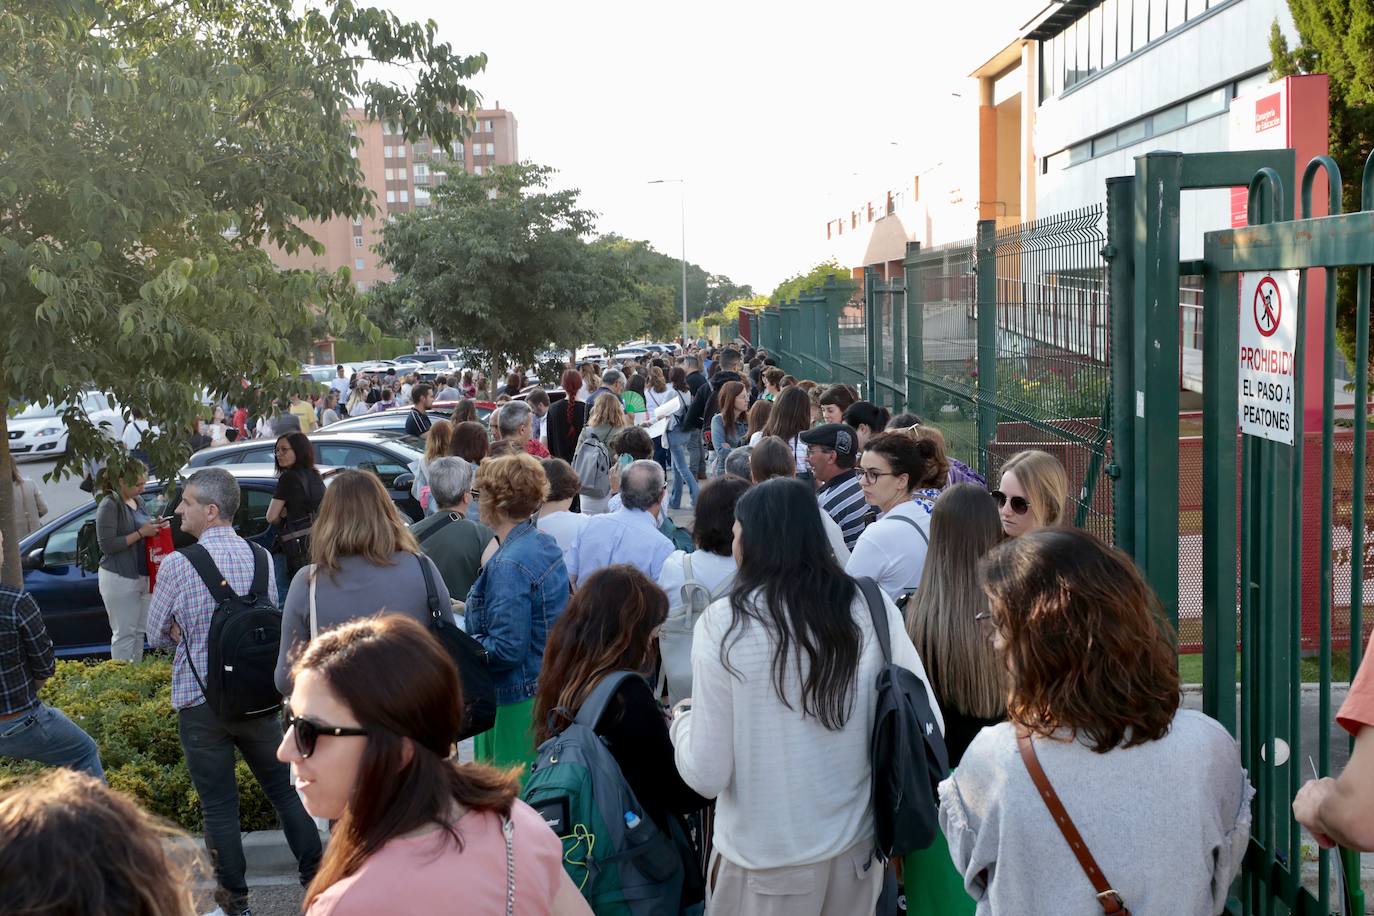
(682, 212)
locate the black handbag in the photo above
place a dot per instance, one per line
(479, 689)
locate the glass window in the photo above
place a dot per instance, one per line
(1178, 13)
(1140, 24)
(1130, 133)
(1080, 51)
(1109, 33)
(458, 151)
(60, 549)
(405, 197)
(390, 174)
(1057, 161)
(388, 152)
(1094, 20)
(357, 241)
(491, 149)
(391, 197)
(357, 263)
(1104, 144)
(251, 519)
(1081, 152)
(1046, 68)
(1159, 18)
(476, 170)
(1169, 119)
(1207, 105)
(361, 286)
(401, 174)
(1060, 43)
(421, 172)
(421, 196)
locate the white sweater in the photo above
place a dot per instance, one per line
(788, 791)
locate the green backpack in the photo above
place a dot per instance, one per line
(620, 860)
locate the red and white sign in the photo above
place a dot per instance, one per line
(1268, 342)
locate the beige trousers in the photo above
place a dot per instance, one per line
(847, 885)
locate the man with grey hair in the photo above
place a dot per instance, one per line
(457, 545)
(515, 421)
(630, 534)
(612, 382)
(179, 616)
(737, 462)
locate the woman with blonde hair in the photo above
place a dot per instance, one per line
(365, 561)
(1032, 493)
(438, 442)
(945, 621)
(606, 416)
(516, 599)
(68, 844)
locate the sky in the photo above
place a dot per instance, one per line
(779, 116)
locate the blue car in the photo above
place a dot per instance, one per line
(60, 562)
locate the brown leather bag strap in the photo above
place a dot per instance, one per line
(1111, 900)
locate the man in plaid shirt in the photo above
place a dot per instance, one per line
(29, 728)
(180, 616)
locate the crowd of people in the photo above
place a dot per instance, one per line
(742, 732)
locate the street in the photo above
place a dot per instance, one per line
(60, 495)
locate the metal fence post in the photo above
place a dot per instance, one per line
(986, 269)
(915, 350)
(872, 333)
(1120, 253)
(1157, 180)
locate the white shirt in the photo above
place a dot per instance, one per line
(133, 433)
(788, 790)
(340, 386)
(653, 400)
(756, 438)
(891, 552)
(707, 568)
(563, 527)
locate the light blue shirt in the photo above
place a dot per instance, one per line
(624, 536)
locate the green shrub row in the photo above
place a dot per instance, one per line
(127, 709)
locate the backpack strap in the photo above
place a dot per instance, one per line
(449, 519)
(214, 580)
(261, 565)
(595, 705)
(912, 522)
(431, 592)
(877, 609)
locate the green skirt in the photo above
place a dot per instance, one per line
(931, 884)
(510, 742)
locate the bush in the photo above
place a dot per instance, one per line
(127, 709)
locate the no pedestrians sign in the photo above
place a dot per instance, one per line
(1268, 341)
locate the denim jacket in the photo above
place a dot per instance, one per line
(513, 605)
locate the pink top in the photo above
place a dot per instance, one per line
(427, 874)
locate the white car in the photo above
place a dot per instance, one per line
(38, 430)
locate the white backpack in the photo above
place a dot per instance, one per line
(675, 638)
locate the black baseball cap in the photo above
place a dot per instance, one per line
(837, 437)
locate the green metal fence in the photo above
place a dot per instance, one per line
(1261, 603)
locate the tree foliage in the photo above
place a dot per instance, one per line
(794, 286)
(706, 292)
(150, 149)
(1336, 37)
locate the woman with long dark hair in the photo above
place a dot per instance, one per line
(465, 411)
(679, 441)
(791, 417)
(566, 418)
(300, 489)
(778, 727)
(1093, 703)
(730, 425)
(370, 725)
(611, 624)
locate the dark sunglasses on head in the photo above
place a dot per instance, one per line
(1018, 503)
(308, 731)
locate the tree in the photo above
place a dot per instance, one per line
(151, 149)
(706, 292)
(1336, 37)
(503, 263)
(794, 286)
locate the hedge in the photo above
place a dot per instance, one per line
(127, 709)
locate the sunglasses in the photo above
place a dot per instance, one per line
(1018, 503)
(308, 732)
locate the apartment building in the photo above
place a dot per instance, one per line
(403, 176)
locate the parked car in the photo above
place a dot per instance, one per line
(393, 456)
(64, 580)
(428, 356)
(38, 431)
(320, 374)
(394, 420)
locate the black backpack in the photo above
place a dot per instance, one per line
(907, 749)
(245, 636)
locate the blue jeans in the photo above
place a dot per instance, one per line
(678, 443)
(46, 735)
(209, 743)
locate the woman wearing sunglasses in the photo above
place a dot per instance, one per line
(1032, 492)
(901, 476)
(369, 728)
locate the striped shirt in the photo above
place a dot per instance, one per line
(181, 595)
(843, 500)
(25, 651)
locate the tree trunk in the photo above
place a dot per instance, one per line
(10, 571)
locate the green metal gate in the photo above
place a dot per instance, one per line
(1253, 534)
